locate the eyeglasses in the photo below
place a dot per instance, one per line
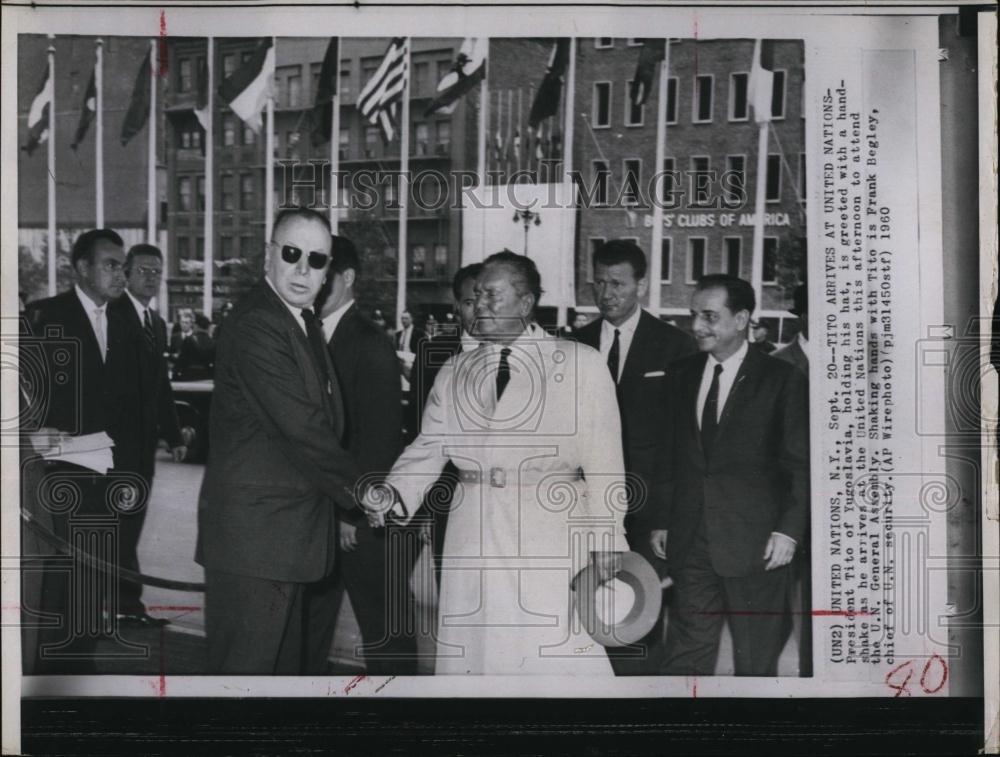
(143, 271)
(291, 254)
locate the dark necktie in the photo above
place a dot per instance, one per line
(710, 414)
(147, 331)
(318, 344)
(503, 372)
(613, 357)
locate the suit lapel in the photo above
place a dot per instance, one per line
(631, 369)
(744, 377)
(77, 314)
(690, 386)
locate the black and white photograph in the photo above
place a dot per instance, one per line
(367, 354)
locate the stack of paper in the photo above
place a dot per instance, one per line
(91, 451)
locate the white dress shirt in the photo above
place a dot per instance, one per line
(625, 334)
(468, 342)
(140, 309)
(730, 367)
(331, 320)
(98, 316)
(295, 311)
(804, 344)
(404, 338)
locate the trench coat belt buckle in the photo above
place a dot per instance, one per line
(495, 477)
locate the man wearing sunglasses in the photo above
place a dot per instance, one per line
(277, 466)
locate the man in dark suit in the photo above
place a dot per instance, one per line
(144, 272)
(740, 497)
(88, 359)
(276, 465)
(796, 353)
(374, 563)
(431, 357)
(408, 337)
(639, 349)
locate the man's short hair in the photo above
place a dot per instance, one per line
(307, 214)
(86, 243)
(344, 256)
(523, 266)
(470, 271)
(136, 250)
(618, 251)
(739, 292)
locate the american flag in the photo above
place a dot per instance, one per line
(379, 100)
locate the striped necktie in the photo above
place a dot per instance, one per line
(147, 330)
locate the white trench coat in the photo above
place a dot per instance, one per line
(543, 485)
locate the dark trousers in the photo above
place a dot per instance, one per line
(129, 531)
(376, 575)
(645, 657)
(256, 626)
(756, 607)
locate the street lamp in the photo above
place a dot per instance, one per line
(527, 217)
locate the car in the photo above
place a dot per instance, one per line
(193, 400)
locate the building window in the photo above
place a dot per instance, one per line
(292, 142)
(421, 76)
(421, 138)
(246, 247)
(774, 178)
(702, 110)
(184, 199)
(371, 141)
(344, 144)
(700, 182)
(246, 192)
(418, 260)
(735, 181)
(696, 258)
(601, 174)
(633, 112)
(440, 260)
(600, 115)
(248, 135)
(770, 273)
(344, 88)
(734, 251)
(183, 250)
(228, 192)
(631, 178)
(225, 248)
(185, 75)
(200, 184)
(228, 130)
(739, 109)
(199, 248)
(634, 42)
(669, 183)
(604, 43)
(672, 100)
(778, 95)
(228, 65)
(666, 259)
(443, 137)
(595, 245)
(288, 81)
(802, 176)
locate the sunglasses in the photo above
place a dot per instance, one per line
(291, 254)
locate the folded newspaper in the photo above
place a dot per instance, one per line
(91, 451)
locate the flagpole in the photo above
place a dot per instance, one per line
(484, 112)
(757, 271)
(269, 160)
(404, 190)
(99, 136)
(335, 149)
(209, 272)
(656, 244)
(51, 151)
(151, 152)
(568, 262)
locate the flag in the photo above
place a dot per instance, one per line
(138, 107)
(547, 98)
(653, 52)
(87, 109)
(38, 114)
(380, 98)
(248, 87)
(201, 103)
(322, 115)
(467, 71)
(760, 90)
